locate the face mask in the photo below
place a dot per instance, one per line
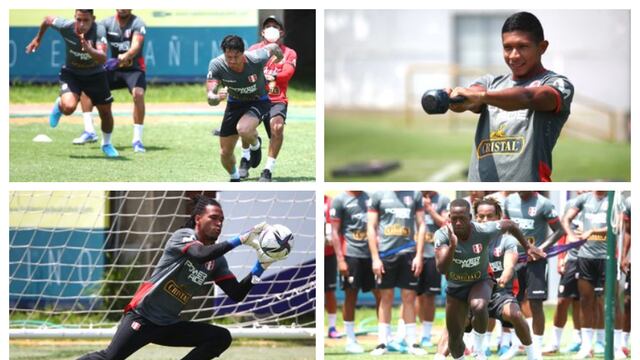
(271, 34)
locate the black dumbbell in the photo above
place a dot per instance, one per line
(437, 101)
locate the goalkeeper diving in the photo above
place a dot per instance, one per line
(191, 259)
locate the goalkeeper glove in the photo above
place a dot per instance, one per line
(250, 237)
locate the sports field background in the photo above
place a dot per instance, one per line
(239, 350)
(439, 149)
(177, 134)
(334, 348)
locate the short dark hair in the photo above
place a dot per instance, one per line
(232, 42)
(200, 203)
(90, 11)
(460, 203)
(527, 22)
(488, 201)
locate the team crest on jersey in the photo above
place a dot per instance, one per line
(532, 211)
(497, 252)
(477, 248)
(253, 78)
(135, 326)
(127, 33)
(407, 200)
(210, 265)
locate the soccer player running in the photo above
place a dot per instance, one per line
(393, 218)
(86, 51)
(349, 237)
(125, 69)
(591, 260)
(462, 255)
(535, 215)
(192, 257)
(522, 113)
(277, 75)
(238, 77)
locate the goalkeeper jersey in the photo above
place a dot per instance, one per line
(176, 279)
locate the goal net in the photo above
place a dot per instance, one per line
(77, 258)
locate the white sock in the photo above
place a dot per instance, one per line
(487, 341)
(271, 163)
(332, 319)
(88, 122)
(529, 350)
(468, 341)
(137, 132)
(106, 138)
(255, 146)
(383, 333)
(587, 338)
(557, 339)
(236, 175)
(497, 330)
(460, 358)
(625, 339)
(410, 330)
(515, 341)
(478, 341)
(530, 323)
(577, 336)
(617, 339)
(600, 335)
(400, 331)
(351, 334)
(505, 339)
(426, 328)
(537, 342)
(246, 154)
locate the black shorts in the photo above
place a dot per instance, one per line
(360, 274)
(592, 270)
(430, 279)
(397, 272)
(330, 273)
(499, 298)
(95, 86)
(568, 287)
(461, 292)
(533, 280)
(276, 109)
(236, 109)
(120, 79)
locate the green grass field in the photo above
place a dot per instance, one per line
(424, 149)
(334, 348)
(239, 350)
(179, 141)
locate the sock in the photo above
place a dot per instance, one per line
(410, 330)
(426, 329)
(625, 339)
(401, 331)
(478, 341)
(460, 358)
(383, 332)
(351, 334)
(468, 341)
(255, 146)
(577, 336)
(515, 341)
(487, 341)
(246, 154)
(587, 338)
(137, 132)
(236, 175)
(505, 340)
(557, 339)
(617, 339)
(271, 163)
(332, 320)
(530, 323)
(88, 122)
(537, 342)
(496, 340)
(600, 335)
(531, 354)
(106, 138)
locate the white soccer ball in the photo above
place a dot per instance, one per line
(276, 241)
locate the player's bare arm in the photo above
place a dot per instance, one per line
(512, 228)
(35, 43)
(337, 246)
(542, 98)
(509, 263)
(274, 50)
(215, 94)
(445, 253)
(599, 232)
(626, 246)
(417, 263)
(440, 219)
(558, 232)
(97, 53)
(372, 235)
(566, 224)
(136, 46)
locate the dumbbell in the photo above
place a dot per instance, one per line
(437, 101)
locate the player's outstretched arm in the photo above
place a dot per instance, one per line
(203, 253)
(542, 98)
(274, 50)
(35, 43)
(558, 232)
(512, 228)
(510, 261)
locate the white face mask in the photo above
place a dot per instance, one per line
(271, 34)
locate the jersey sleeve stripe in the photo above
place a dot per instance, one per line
(224, 277)
(143, 290)
(553, 221)
(186, 247)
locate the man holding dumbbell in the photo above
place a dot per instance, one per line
(521, 114)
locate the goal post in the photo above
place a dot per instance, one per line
(77, 258)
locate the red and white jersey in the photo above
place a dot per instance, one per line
(283, 71)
